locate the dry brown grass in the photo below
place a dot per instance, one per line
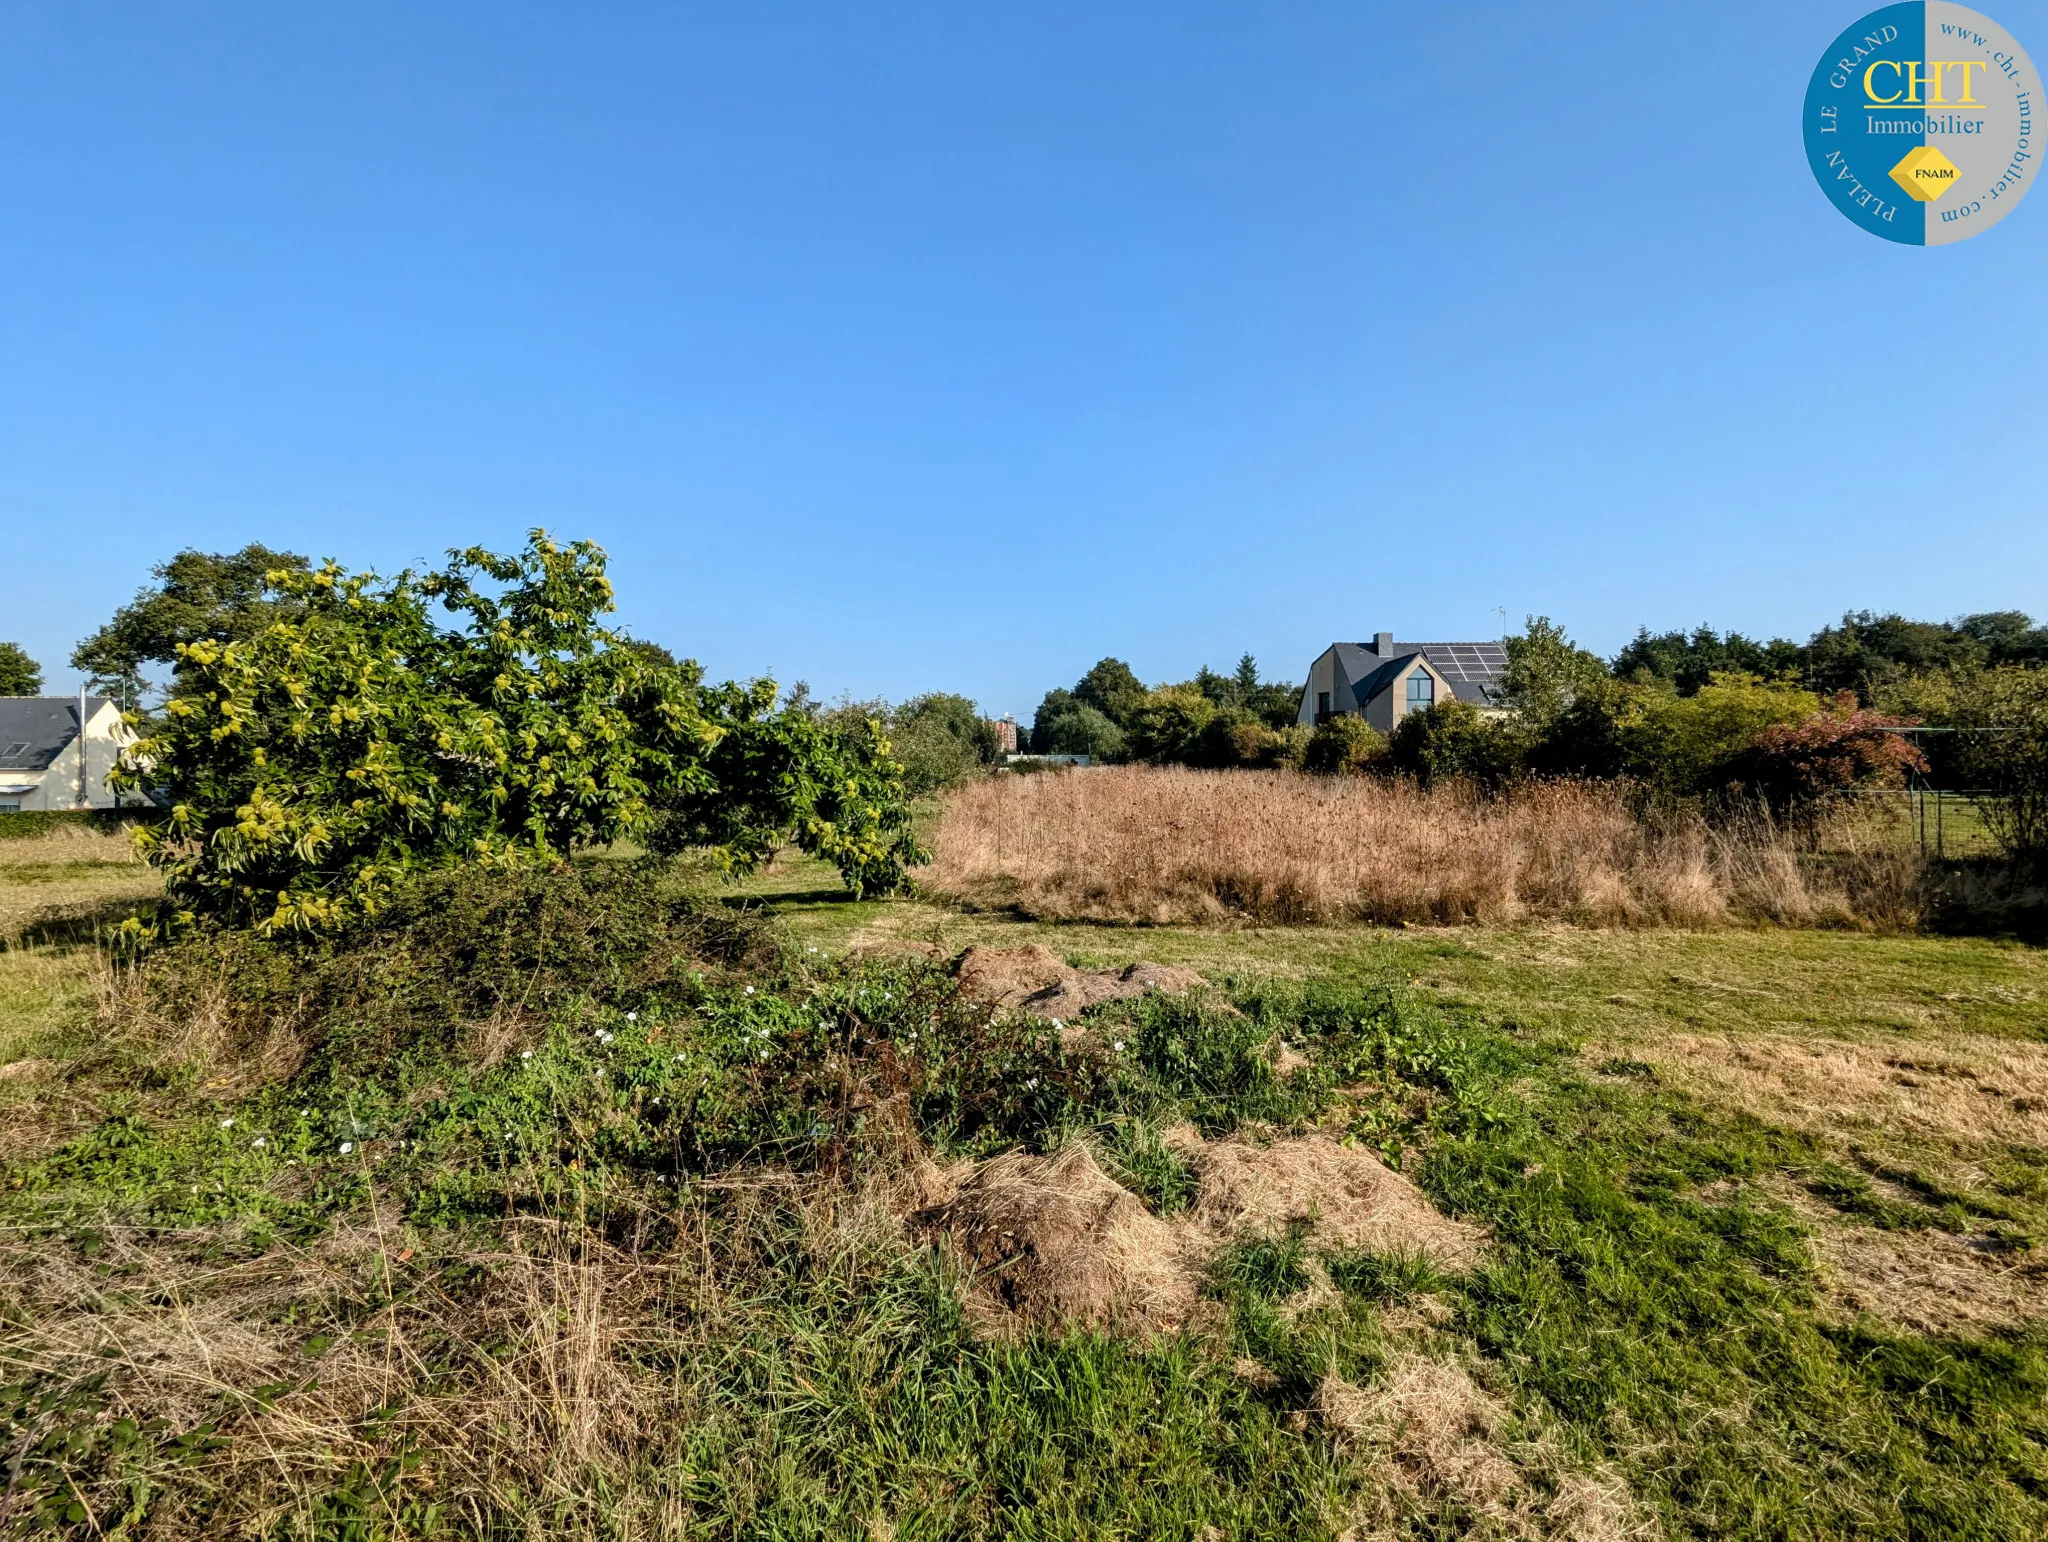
(1168, 845)
(525, 1385)
(1967, 1089)
(1433, 1434)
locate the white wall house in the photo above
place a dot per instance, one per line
(46, 763)
(1383, 681)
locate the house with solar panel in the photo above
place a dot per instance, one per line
(1383, 681)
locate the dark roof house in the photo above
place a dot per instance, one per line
(1383, 680)
(45, 763)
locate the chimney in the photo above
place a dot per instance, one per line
(1383, 644)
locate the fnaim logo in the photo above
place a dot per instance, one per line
(1921, 123)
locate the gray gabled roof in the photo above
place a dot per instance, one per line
(1475, 670)
(1367, 673)
(35, 729)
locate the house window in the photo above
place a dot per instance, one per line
(10, 805)
(1322, 704)
(1421, 690)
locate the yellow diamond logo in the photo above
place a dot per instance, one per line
(1925, 173)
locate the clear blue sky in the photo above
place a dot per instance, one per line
(904, 347)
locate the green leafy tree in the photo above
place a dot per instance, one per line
(1585, 738)
(833, 788)
(20, 675)
(1112, 689)
(314, 765)
(1276, 704)
(1273, 703)
(1056, 705)
(1547, 670)
(1084, 731)
(1222, 691)
(199, 597)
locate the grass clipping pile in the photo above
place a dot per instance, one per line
(1054, 1241)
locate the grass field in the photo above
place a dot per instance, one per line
(1760, 1216)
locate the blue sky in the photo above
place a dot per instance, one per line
(908, 347)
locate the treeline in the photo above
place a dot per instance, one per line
(1212, 720)
(1866, 654)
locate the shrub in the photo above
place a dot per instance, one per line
(1451, 740)
(352, 743)
(1688, 744)
(1344, 745)
(459, 948)
(941, 740)
(1169, 724)
(1796, 769)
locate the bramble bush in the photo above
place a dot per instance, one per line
(312, 767)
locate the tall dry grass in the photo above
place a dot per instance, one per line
(1146, 844)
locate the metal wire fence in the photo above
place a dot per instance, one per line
(1945, 822)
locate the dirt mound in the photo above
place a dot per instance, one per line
(1057, 1241)
(1037, 980)
(1350, 1195)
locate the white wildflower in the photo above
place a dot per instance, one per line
(632, 1017)
(227, 1124)
(259, 1143)
(1118, 1046)
(526, 1054)
(347, 1146)
(750, 990)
